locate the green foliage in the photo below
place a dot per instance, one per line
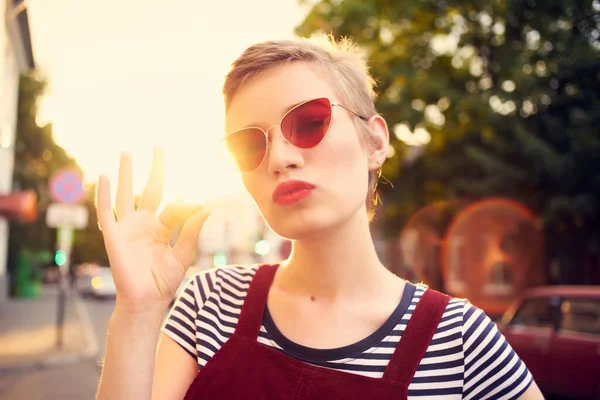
(509, 91)
(37, 157)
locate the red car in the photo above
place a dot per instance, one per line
(556, 332)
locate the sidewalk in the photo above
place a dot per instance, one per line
(28, 332)
(66, 382)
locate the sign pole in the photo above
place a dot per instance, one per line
(64, 236)
(66, 214)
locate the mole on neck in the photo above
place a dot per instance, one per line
(313, 298)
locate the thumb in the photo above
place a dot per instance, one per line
(188, 237)
(176, 213)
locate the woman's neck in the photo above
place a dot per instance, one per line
(338, 263)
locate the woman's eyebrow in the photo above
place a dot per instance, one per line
(284, 111)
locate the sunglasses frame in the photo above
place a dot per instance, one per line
(266, 132)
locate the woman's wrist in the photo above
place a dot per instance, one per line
(133, 335)
(127, 314)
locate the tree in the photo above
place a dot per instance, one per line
(503, 98)
(37, 157)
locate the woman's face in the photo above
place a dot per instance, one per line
(335, 172)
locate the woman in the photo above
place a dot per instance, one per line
(324, 324)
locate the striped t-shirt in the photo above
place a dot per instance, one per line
(468, 358)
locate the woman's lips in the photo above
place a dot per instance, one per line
(292, 191)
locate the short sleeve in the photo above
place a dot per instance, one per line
(180, 324)
(492, 368)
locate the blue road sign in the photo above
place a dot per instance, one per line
(66, 186)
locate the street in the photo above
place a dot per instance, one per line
(67, 382)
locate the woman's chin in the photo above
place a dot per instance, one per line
(304, 227)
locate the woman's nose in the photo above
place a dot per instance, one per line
(282, 156)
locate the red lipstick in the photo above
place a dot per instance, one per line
(292, 191)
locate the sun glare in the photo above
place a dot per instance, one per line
(135, 75)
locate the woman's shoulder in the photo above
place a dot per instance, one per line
(242, 273)
(233, 269)
(491, 367)
(458, 309)
(453, 303)
(201, 286)
(231, 278)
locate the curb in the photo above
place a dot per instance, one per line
(88, 353)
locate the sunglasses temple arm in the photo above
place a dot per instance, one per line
(349, 110)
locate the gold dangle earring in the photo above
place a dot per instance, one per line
(376, 198)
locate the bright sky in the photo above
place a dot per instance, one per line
(129, 75)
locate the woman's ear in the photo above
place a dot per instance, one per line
(378, 143)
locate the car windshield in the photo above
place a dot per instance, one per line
(534, 312)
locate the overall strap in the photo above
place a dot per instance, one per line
(416, 337)
(256, 298)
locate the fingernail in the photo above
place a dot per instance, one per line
(201, 208)
(210, 204)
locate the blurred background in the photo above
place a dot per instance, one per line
(494, 115)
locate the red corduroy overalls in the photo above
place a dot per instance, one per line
(245, 369)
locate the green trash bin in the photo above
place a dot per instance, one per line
(26, 277)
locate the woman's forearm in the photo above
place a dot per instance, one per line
(130, 353)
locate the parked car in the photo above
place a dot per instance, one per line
(556, 332)
(98, 283)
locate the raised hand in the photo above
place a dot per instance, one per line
(146, 269)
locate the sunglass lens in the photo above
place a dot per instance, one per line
(246, 148)
(306, 125)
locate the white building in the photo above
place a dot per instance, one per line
(16, 57)
(231, 232)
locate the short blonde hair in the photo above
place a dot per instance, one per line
(344, 65)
